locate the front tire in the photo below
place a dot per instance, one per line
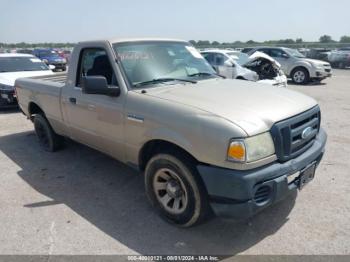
(175, 190)
(48, 139)
(300, 76)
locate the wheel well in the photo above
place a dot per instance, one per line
(299, 67)
(160, 146)
(34, 109)
(240, 78)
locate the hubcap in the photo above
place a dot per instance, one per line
(299, 76)
(170, 191)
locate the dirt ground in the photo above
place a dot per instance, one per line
(79, 201)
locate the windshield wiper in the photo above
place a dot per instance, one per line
(204, 74)
(161, 80)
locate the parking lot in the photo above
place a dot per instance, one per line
(79, 201)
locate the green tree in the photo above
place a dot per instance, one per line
(298, 40)
(193, 42)
(345, 39)
(203, 43)
(250, 42)
(215, 43)
(326, 39)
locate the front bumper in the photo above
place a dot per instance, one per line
(59, 65)
(232, 192)
(7, 98)
(322, 73)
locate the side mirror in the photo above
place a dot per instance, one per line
(52, 67)
(98, 85)
(229, 63)
(285, 56)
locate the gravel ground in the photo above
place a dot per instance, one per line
(79, 201)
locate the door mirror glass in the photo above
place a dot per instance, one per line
(98, 85)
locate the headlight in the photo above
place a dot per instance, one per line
(251, 149)
(5, 87)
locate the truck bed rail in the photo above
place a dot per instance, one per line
(59, 77)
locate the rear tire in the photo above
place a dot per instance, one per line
(175, 189)
(300, 76)
(48, 139)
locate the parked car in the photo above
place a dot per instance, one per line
(340, 58)
(204, 143)
(64, 54)
(13, 66)
(319, 53)
(50, 57)
(295, 65)
(236, 65)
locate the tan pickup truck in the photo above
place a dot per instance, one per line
(204, 143)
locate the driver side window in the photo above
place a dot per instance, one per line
(219, 59)
(276, 53)
(95, 62)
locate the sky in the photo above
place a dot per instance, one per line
(221, 20)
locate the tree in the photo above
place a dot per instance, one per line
(203, 43)
(193, 42)
(345, 39)
(326, 39)
(250, 42)
(286, 41)
(298, 40)
(215, 43)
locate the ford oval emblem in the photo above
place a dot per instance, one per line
(306, 132)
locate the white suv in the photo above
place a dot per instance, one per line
(295, 65)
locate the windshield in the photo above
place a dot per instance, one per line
(144, 62)
(294, 53)
(16, 64)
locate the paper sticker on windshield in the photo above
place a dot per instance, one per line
(35, 60)
(194, 52)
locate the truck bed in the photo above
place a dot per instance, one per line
(58, 78)
(44, 92)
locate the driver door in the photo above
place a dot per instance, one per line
(95, 120)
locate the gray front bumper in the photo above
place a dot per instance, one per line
(232, 191)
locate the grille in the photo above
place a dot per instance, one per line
(291, 137)
(327, 70)
(262, 194)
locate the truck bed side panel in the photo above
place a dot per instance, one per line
(47, 95)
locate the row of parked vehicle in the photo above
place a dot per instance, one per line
(339, 58)
(269, 65)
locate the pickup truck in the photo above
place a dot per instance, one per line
(204, 143)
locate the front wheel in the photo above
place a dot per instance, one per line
(175, 190)
(300, 76)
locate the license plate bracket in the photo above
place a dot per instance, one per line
(306, 175)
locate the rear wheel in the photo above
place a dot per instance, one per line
(341, 65)
(175, 190)
(300, 76)
(48, 139)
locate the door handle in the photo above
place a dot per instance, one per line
(73, 100)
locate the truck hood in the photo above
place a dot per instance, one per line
(9, 78)
(252, 106)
